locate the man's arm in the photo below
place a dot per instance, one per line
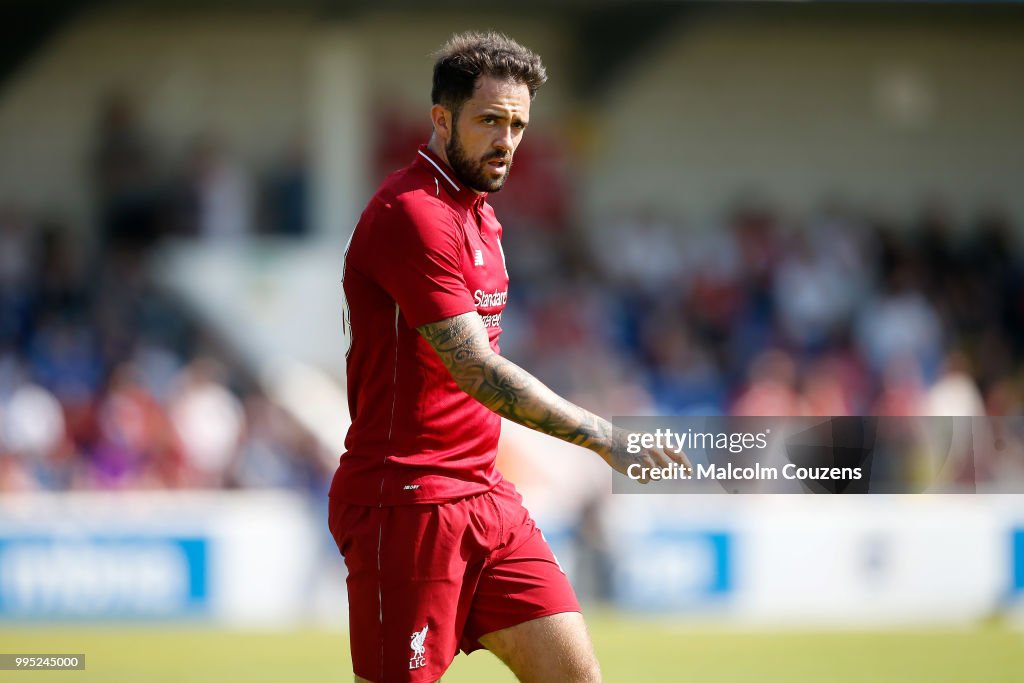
(501, 385)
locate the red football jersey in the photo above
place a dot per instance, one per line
(425, 248)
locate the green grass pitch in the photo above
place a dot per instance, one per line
(631, 649)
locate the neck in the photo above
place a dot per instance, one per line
(437, 147)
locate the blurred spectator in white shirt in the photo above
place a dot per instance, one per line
(218, 197)
(901, 323)
(642, 251)
(812, 295)
(209, 420)
(956, 392)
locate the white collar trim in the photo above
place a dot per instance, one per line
(434, 164)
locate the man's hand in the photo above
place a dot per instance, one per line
(620, 459)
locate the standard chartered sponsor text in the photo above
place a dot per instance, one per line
(485, 300)
(482, 299)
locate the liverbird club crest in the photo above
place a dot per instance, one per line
(418, 659)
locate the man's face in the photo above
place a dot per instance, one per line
(486, 132)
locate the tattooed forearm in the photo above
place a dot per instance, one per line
(507, 389)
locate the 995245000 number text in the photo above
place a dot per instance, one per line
(52, 662)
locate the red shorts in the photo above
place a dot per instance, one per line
(426, 580)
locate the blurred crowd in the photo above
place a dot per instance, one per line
(834, 313)
(108, 382)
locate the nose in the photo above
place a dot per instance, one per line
(504, 140)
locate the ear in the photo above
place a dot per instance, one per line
(442, 120)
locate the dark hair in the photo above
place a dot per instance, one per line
(467, 56)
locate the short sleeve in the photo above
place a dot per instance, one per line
(417, 259)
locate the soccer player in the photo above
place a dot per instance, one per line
(441, 554)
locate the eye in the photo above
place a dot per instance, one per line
(519, 125)
(489, 120)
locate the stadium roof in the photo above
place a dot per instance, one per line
(606, 33)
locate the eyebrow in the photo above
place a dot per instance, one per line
(492, 114)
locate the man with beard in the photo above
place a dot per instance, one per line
(440, 552)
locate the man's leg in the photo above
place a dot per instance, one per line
(524, 610)
(553, 649)
(408, 596)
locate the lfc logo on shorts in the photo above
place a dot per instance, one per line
(418, 659)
